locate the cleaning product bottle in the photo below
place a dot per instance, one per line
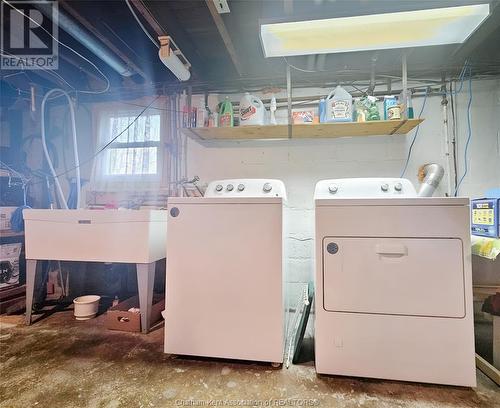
(272, 110)
(339, 106)
(322, 110)
(388, 102)
(202, 115)
(252, 110)
(409, 107)
(226, 115)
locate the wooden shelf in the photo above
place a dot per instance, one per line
(313, 131)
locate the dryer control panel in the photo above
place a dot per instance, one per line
(245, 188)
(364, 188)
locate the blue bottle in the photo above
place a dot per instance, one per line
(322, 111)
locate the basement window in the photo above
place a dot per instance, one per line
(135, 154)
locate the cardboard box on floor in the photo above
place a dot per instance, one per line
(119, 318)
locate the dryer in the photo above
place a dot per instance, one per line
(224, 286)
(393, 283)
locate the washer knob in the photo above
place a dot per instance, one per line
(241, 187)
(229, 187)
(333, 188)
(267, 187)
(398, 186)
(218, 187)
(384, 187)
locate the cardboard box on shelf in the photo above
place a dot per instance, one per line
(5, 214)
(119, 318)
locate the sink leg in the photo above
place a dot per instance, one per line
(145, 283)
(30, 287)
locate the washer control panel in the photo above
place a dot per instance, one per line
(246, 188)
(364, 188)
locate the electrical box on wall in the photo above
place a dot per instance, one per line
(485, 217)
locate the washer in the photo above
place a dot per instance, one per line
(393, 283)
(224, 295)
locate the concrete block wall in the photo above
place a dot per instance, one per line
(301, 163)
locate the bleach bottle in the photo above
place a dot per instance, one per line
(252, 110)
(339, 106)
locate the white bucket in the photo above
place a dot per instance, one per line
(86, 306)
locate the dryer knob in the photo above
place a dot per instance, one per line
(229, 187)
(267, 187)
(241, 187)
(218, 187)
(333, 188)
(384, 187)
(398, 186)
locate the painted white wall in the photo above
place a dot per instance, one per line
(301, 163)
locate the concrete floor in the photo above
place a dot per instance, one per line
(58, 362)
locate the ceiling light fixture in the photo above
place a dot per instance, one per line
(169, 54)
(450, 25)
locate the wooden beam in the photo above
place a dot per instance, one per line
(225, 36)
(88, 25)
(151, 20)
(488, 369)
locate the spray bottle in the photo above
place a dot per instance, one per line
(272, 110)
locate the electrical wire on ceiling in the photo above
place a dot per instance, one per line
(123, 42)
(48, 71)
(108, 84)
(141, 25)
(297, 68)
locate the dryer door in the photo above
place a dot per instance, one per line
(396, 276)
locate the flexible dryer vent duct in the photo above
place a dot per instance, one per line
(87, 40)
(429, 176)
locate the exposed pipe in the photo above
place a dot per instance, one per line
(83, 37)
(430, 176)
(64, 201)
(450, 188)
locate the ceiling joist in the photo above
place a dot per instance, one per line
(225, 36)
(146, 14)
(88, 25)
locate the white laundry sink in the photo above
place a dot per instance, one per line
(125, 236)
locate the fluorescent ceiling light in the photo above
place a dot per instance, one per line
(448, 25)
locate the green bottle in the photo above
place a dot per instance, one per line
(226, 115)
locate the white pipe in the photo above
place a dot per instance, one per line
(75, 147)
(447, 149)
(433, 173)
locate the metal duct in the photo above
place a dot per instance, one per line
(87, 40)
(430, 176)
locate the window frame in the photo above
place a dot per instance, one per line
(101, 180)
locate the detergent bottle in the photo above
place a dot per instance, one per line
(226, 115)
(339, 106)
(252, 110)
